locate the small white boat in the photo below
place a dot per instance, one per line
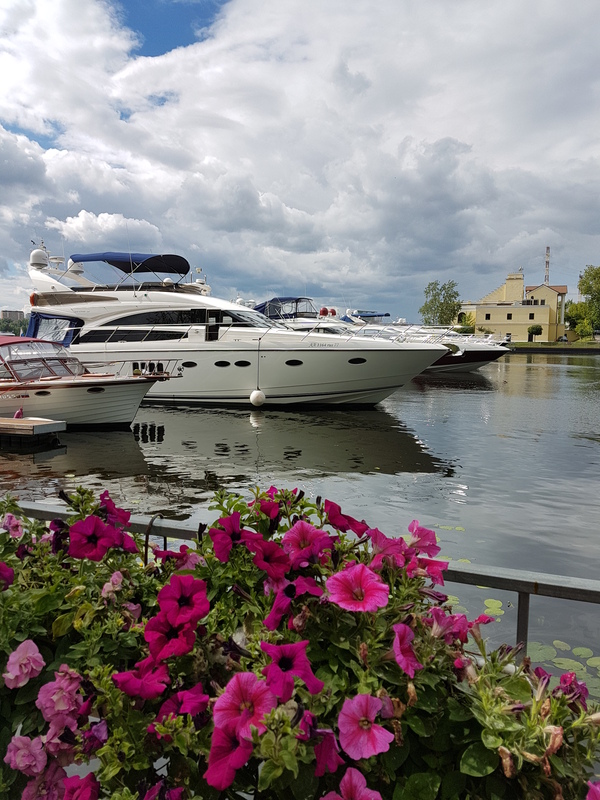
(42, 379)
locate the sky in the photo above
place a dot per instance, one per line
(351, 152)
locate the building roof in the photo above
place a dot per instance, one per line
(557, 289)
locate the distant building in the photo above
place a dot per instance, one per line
(12, 316)
(513, 307)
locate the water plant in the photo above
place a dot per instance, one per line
(289, 650)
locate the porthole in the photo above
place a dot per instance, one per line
(222, 364)
(42, 393)
(189, 364)
(242, 363)
(96, 390)
(293, 362)
(357, 360)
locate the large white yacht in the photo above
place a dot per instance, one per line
(144, 310)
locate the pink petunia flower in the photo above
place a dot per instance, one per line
(245, 702)
(184, 599)
(305, 544)
(575, 691)
(289, 660)
(448, 627)
(13, 525)
(26, 755)
(114, 515)
(327, 753)
(60, 737)
(343, 522)
(166, 640)
(422, 539)
(593, 791)
(186, 558)
(270, 557)
(358, 588)
(49, 785)
(405, 655)
(7, 576)
(24, 663)
(148, 680)
(60, 697)
(191, 701)
(427, 568)
(282, 603)
(77, 788)
(91, 538)
(385, 548)
(360, 736)
(353, 786)
(228, 534)
(228, 752)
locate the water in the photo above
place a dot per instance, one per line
(503, 464)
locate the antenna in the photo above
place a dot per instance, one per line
(547, 275)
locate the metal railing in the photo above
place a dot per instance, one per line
(522, 582)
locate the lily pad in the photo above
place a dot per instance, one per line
(593, 662)
(569, 665)
(561, 645)
(583, 652)
(539, 652)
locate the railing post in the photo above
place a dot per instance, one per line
(523, 621)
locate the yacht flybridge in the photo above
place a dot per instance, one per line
(139, 308)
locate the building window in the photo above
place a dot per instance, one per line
(542, 302)
(488, 316)
(536, 302)
(532, 316)
(509, 316)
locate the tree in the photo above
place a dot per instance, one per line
(589, 287)
(442, 303)
(534, 330)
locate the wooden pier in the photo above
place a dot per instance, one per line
(27, 432)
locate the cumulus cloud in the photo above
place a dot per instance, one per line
(351, 151)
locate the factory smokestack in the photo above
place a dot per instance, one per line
(547, 275)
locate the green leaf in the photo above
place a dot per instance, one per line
(478, 761)
(62, 624)
(518, 688)
(270, 771)
(422, 786)
(582, 652)
(453, 785)
(561, 645)
(490, 740)
(541, 652)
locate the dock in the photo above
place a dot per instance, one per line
(27, 432)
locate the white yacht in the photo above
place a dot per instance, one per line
(145, 310)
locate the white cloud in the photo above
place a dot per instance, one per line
(355, 151)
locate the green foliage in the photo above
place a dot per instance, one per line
(442, 303)
(534, 330)
(589, 287)
(16, 327)
(468, 724)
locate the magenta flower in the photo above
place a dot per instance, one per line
(183, 599)
(327, 753)
(449, 627)
(148, 681)
(384, 548)
(166, 640)
(49, 785)
(244, 702)
(427, 567)
(593, 791)
(7, 576)
(270, 558)
(13, 525)
(77, 788)
(60, 737)
(192, 701)
(358, 588)
(305, 544)
(405, 656)
(228, 752)
(360, 736)
(23, 663)
(27, 755)
(575, 691)
(289, 660)
(228, 534)
(353, 786)
(422, 539)
(342, 521)
(114, 515)
(186, 558)
(91, 538)
(282, 603)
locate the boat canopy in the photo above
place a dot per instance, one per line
(287, 307)
(138, 262)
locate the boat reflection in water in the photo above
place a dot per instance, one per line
(174, 459)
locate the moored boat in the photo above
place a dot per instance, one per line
(144, 311)
(42, 379)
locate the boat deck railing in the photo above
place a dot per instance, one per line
(523, 583)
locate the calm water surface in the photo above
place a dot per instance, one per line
(504, 464)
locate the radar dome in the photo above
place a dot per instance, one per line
(38, 258)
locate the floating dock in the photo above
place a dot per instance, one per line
(27, 432)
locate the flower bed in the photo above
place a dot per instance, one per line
(292, 651)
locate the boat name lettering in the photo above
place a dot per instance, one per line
(12, 396)
(321, 344)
